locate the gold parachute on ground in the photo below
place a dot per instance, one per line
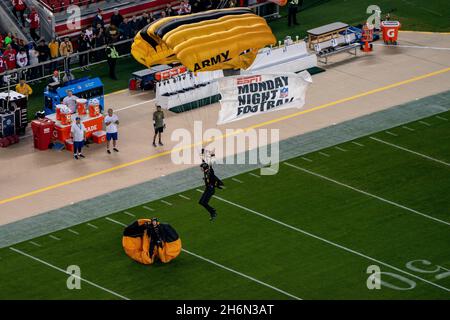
(139, 245)
(207, 41)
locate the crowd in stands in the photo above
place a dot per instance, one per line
(16, 53)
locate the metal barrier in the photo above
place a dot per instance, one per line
(45, 69)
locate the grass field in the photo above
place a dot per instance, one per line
(308, 232)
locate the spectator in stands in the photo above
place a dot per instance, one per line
(232, 4)
(3, 68)
(84, 45)
(43, 50)
(24, 88)
(293, 6)
(151, 18)
(8, 39)
(53, 47)
(125, 29)
(116, 18)
(19, 8)
(9, 55)
(71, 101)
(185, 7)
(134, 26)
(33, 19)
(111, 55)
(99, 41)
(169, 10)
(112, 34)
(98, 19)
(197, 6)
(22, 58)
(79, 136)
(162, 14)
(33, 57)
(66, 50)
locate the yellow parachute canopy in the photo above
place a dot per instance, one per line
(207, 41)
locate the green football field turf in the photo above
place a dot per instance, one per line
(308, 232)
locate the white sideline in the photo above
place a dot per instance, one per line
(225, 268)
(331, 243)
(70, 274)
(411, 151)
(367, 193)
(184, 197)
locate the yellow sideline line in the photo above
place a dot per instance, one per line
(131, 163)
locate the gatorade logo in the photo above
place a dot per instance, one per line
(391, 33)
(222, 57)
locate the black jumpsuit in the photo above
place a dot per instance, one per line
(211, 181)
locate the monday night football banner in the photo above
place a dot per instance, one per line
(246, 96)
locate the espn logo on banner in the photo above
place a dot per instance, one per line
(246, 80)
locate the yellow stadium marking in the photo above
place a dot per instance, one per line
(158, 155)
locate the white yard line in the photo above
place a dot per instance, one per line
(92, 226)
(341, 149)
(69, 274)
(324, 154)
(237, 180)
(73, 231)
(425, 123)
(224, 267)
(392, 134)
(129, 214)
(408, 128)
(148, 208)
(166, 202)
(307, 159)
(35, 244)
(411, 151)
(54, 238)
(367, 193)
(184, 197)
(254, 175)
(442, 118)
(358, 144)
(331, 243)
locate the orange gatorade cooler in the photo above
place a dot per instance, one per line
(81, 107)
(99, 136)
(390, 31)
(58, 111)
(94, 108)
(66, 115)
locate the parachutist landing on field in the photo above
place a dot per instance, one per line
(155, 233)
(211, 182)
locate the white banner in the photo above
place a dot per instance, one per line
(246, 96)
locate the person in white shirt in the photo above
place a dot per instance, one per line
(71, 101)
(22, 58)
(111, 123)
(78, 135)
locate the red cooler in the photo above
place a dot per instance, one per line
(42, 133)
(390, 31)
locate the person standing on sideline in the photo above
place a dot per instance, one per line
(111, 122)
(292, 11)
(112, 56)
(158, 124)
(78, 135)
